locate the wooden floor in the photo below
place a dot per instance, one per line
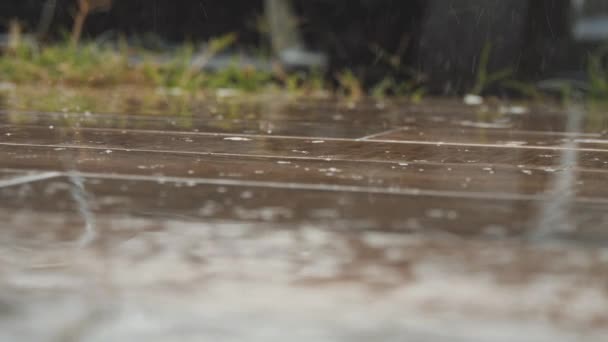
(310, 221)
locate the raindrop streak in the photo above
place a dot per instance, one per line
(80, 196)
(555, 213)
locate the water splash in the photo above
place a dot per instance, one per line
(81, 198)
(555, 213)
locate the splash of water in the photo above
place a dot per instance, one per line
(81, 197)
(555, 212)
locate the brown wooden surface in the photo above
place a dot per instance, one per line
(305, 222)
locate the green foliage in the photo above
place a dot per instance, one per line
(172, 80)
(403, 81)
(597, 96)
(349, 85)
(412, 89)
(64, 63)
(484, 78)
(183, 71)
(245, 78)
(598, 75)
(177, 73)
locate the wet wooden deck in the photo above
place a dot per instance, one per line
(305, 222)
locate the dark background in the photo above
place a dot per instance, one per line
(353, 32)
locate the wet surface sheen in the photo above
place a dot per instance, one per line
(431, 222)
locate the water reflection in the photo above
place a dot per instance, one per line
(419, 210)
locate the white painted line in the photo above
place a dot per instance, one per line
(379, 134)
(514, 147)
(336, 188)
(360, 140)
(196, 153)
(28, 179)
(328, 158)
(188, 133)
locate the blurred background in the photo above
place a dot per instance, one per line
(442, 43)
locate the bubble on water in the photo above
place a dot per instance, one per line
(442, 214)
(516, 110)
(237, 139)
(324, 213)
(474, 124)
(472, 100)
(515, 143)
(264, 213)
(210, 208)
(247, 195)
(331, 169)
(495, 231)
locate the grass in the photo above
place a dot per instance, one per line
(485, 79)
(90, 77)
(389, 86)
(77, 68)
(69, 77)
(597, 92)
(64, 63)
(598, 75)
(402, 81)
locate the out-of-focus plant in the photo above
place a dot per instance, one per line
(184, 72)
(485, 78)
(598, 75)
(64, 63)
(411, 89)
(350, 86)
(402, 81)
(597, 96)
(86, 7)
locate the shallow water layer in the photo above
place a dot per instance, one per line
(309, 221)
